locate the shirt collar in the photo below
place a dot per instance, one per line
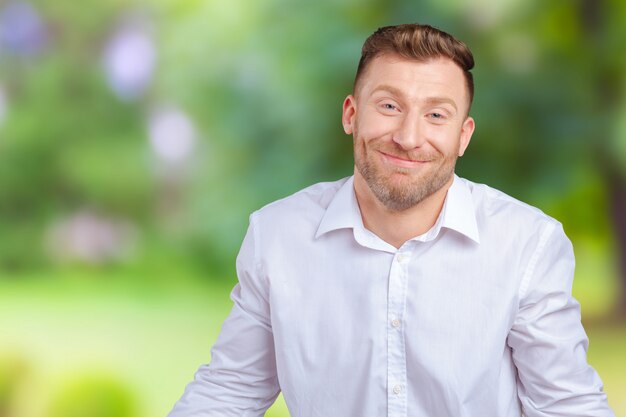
(458, 211)
(457, 214)
(343, 211)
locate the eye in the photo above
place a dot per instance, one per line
(389, 106)
(437, 117)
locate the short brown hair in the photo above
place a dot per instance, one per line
(420, 43)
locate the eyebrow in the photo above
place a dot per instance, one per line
(429, 101)
(388, 88)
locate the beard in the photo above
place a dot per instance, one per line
(398, 188)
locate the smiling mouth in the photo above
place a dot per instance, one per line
(402, 162)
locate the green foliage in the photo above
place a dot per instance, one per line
(263, 82)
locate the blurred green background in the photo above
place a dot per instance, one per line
(137, 136)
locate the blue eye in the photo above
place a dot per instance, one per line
(389, 106)
(437, 118)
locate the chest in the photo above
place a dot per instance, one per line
(451, 304)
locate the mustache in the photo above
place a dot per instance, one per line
(416, 155)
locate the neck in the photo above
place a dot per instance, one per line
(396, 227)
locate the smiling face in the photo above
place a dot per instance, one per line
(409, 123)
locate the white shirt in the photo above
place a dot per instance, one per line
(473, 318)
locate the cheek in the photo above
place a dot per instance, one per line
(373, 126)
(445, 139)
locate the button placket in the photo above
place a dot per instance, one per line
(396, 352)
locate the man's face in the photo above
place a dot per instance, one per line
(409, 123)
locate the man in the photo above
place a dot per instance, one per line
(403, 290)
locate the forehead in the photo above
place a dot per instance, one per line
(414, 79)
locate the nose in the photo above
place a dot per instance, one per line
(410, 133)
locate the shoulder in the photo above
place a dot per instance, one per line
(496, 209)
(306, 206)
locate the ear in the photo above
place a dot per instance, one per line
(347, 116)
(466, 134)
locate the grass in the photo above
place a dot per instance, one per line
(150, 335)
(607, 354)
(150, 338)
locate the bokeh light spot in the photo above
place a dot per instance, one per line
(172, 134)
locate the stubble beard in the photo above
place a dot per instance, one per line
(400, 194)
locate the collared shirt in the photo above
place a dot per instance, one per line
(473, 318)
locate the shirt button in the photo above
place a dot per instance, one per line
(402, 257)
(395, 323)
(397, 389)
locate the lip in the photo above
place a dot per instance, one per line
(401, 162)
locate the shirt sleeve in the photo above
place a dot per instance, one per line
(241, 379)
(548, 342)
